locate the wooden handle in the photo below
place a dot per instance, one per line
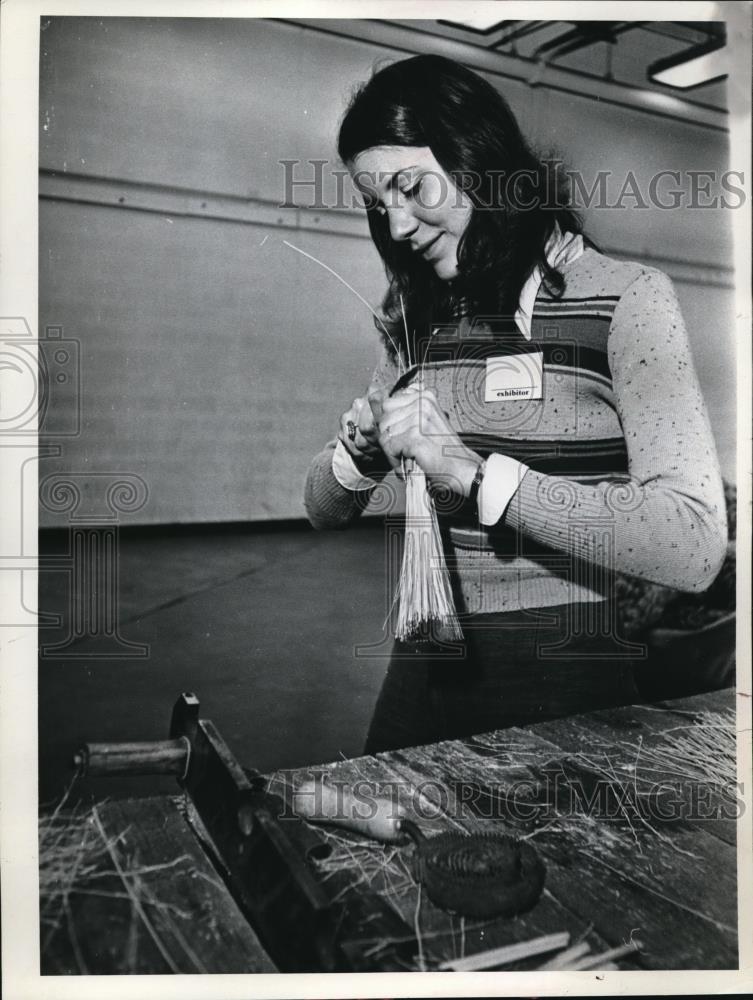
(319, 802)
(157, 757)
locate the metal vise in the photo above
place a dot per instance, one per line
(262, 848)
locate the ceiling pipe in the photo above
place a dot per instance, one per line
(403, 38)
(581, 37)
(527, 28)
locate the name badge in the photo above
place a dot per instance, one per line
(514, 376)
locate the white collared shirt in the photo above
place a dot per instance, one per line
(561, 248)
(503, 474)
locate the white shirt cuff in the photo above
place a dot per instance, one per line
(500, 483)
(346, 471)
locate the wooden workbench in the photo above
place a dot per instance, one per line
(631, 852)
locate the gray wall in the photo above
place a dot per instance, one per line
(215, 360)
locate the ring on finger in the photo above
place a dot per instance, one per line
(351, 429)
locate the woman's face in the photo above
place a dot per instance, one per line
(422, 205)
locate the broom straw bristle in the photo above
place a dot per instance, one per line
(424, 591)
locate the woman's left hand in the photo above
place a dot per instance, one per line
(412, 425)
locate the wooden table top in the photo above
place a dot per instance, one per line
(635, 848)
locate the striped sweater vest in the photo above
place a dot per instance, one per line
(622, 467)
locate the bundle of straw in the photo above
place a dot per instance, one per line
(425, 603)
(703, 750)
(424, 593)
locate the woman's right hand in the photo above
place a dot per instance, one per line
(363, 445)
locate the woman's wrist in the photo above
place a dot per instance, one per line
(464, 472)
(478, 478)
(374, 464)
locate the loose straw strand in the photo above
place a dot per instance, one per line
(350, 288)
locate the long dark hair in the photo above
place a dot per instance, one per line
(474, 136)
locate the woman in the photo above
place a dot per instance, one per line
(556, 411)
